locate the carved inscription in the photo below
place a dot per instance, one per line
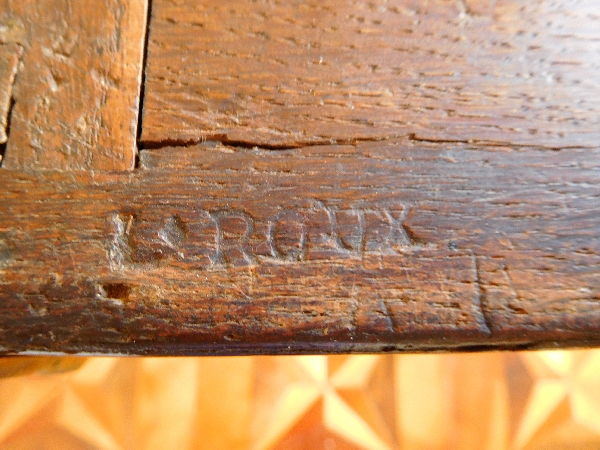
(234, 237)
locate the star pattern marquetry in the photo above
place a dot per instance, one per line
(334, 395)
(512, 401)
(562, 410)
(84, 409)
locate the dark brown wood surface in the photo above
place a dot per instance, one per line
(380, 246)
(314, 177)
(76, 95)
(285, 74)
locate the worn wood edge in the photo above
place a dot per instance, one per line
(332, 348)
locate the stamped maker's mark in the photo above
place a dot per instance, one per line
(234, 237)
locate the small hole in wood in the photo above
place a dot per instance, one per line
(117, 291)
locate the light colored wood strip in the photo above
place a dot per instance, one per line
(21, 365)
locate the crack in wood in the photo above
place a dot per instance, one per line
(259, 84)
(10, 57)
(142, 85)
(487, 143)
(224, 140)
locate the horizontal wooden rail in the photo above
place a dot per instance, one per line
(394, 245)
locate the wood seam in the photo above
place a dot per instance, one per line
(142, 91)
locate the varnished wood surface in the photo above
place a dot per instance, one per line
(288, 74)
(380, 246)
(76, 95)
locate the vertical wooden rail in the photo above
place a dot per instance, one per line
(76, 96)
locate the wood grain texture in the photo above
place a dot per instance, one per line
(9, 62)
(396, 245)
(288, 74)
(436, 184)
(77, 96)
(16, 366)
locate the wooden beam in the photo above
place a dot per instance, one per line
(76, 98)
(393, 245)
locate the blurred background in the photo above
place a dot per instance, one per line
(503, 400)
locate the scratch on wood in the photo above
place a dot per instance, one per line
(480, 299)
(386, 314)
(510, 283)
(516, 305)
(5, 253)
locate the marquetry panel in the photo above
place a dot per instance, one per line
(518, 401)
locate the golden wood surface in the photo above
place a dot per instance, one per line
(537, 400)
